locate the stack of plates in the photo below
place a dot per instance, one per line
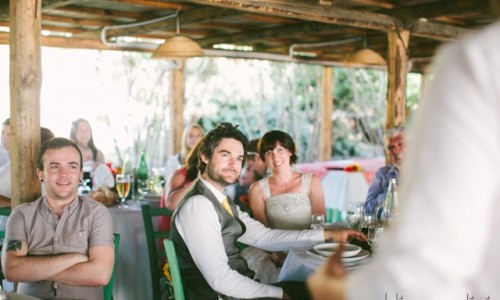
(352, 254)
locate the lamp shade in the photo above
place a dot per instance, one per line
(365, 56)
(178, 46)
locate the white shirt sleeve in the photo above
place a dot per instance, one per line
(5, 182)
(259, 236)
(444, 242)
(204, 240)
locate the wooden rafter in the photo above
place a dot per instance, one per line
(335, 15)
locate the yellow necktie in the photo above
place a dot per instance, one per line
(225, 204)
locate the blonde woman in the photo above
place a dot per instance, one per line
(191, 135)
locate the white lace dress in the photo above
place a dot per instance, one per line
(284, 211)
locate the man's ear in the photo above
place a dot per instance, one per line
(204, 158)
(39, 174)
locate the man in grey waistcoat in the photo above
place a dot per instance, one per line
(207, 226)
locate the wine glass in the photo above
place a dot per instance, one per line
(317, 221)
(143, 187)
(355, 214)
(123, 188)
(373, 234)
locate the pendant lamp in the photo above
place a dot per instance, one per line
(178, 46)
(365, 56)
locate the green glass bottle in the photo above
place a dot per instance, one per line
(141, 177)
(142, 168)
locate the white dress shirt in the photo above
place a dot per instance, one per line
(198, 225)
(5, 183)
(445, 242)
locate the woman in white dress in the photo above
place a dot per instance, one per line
(284, 200)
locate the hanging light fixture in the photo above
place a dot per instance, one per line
(365, 56)
(177, 46)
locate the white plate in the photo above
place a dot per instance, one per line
(348, 261)
(328, 249)
(361, 255)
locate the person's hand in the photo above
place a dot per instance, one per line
(329, 282)
(343, 235)
(278, 258)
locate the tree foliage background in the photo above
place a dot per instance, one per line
(258, 96)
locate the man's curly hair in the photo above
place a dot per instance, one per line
(211, 141)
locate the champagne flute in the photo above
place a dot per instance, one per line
(123, 188)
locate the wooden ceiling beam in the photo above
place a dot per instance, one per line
(276, 32)
(188, 17)
(435, 10)
(335, 15)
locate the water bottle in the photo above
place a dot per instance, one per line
(388, 210)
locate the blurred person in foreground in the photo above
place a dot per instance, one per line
(59, 246)
(206, 227)
(394, 141)
(444, 244)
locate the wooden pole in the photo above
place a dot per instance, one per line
(325, 141)
(25, 86)
(177, 120)
(396, 90)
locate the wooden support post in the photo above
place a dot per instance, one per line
(325, 140)
(177, 108)
(25, 86)
(396, 90)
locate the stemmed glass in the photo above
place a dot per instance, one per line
(355, 214)
(123, 188)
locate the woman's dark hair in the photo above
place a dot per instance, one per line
(211, 141)
(91, 144)
(56, 143)
(270, 140)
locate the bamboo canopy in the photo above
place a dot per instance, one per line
(325, 32)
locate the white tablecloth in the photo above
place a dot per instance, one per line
(132, 274)
(341, 187)
(299, 265)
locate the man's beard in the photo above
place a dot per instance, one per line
(213, 175)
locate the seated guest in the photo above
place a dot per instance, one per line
(254, 161)
(206, 227)
(59, 246)
(378, 188)
(81, 134)
(247, 177)
(191, 135)
(179, 182)
(285, 199)
(177, 185)
(5, 178)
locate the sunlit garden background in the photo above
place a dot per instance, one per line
(125, 96)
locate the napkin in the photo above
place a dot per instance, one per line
(103, 177)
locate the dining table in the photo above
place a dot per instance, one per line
(300, 263)
(132, 270)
